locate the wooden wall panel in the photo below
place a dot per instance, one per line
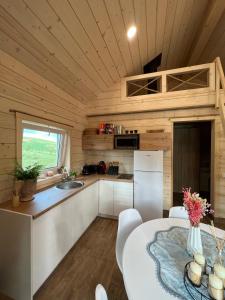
(25, 90)
(143, 121)
(219, 202)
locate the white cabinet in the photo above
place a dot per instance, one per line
(123, 196)
(106, 197)
(84, 210)
(56, 231)
(52, 239)
(114, 197)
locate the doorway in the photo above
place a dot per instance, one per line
(191, 159)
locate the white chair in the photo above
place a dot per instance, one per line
(100, 293)
(129, 219)
(178, 212)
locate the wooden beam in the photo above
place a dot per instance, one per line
(213, 14)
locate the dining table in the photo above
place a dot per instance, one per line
(143, 275)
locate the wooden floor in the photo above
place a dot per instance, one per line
(91, 261)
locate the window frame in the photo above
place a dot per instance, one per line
(36, 123)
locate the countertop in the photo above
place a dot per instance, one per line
(53, 196)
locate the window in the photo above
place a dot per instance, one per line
(40, 147)
(42, 142)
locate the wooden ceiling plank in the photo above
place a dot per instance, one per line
(170, 15)
(117, 22)
(140, 17)
(83, 12)
(102, 19)
(19, 10)
(175, 33)
(151, 9)
(17, 51)
(55, 26)
(160, 24)
(216, 43)
(182, 33)
(73, 25)
(48, 65)
(129, 20)
(197, 15)
(214, 12)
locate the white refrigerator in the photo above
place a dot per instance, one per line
(148, 184)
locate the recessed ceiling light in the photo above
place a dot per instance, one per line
(131, 32)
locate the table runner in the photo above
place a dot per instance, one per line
(168, 250)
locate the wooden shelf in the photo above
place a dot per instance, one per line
(98, 142)
(155, 141)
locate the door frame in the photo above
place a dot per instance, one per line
(211, 119)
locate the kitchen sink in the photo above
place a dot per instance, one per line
(68, 185)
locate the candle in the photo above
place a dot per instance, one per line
(215, 287)
(195, 273)
(219, 271)
(200, 260)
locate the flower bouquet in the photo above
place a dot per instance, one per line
(197, 208)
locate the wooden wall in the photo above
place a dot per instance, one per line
(24, 90)
(161, 120)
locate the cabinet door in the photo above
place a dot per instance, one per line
(84, 210)
(106, 197)
(52, 239)
(123, 196)
(98, 142)
(155, 141)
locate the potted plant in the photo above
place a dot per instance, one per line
(73, 174)
(29, 177)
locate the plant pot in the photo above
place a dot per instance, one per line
(28, 190)
(194, 242)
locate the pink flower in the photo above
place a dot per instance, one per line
(195, 206)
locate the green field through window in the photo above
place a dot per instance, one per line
(39, 147)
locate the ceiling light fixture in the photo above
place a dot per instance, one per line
(131, 32)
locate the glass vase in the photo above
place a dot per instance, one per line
(194, 241)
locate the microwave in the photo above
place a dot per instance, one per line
(126, 141)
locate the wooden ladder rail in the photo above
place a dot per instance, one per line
(219, 104)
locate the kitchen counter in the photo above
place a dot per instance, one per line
(53, 196)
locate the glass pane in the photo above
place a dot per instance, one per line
(39, 147)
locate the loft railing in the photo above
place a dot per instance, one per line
(220, 81)
(199, 78)
(188, 80)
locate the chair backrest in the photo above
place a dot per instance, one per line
(178, 212)
(129, 219)
(100, 293)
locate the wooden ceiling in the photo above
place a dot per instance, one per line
(81, 45)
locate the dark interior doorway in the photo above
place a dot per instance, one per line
(191, 159)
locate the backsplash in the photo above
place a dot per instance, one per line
(124, 157)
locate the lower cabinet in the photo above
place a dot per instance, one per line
(123, 196)
(106, 197)
(114, 197)
(56, 231)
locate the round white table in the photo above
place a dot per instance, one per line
(139, 269)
